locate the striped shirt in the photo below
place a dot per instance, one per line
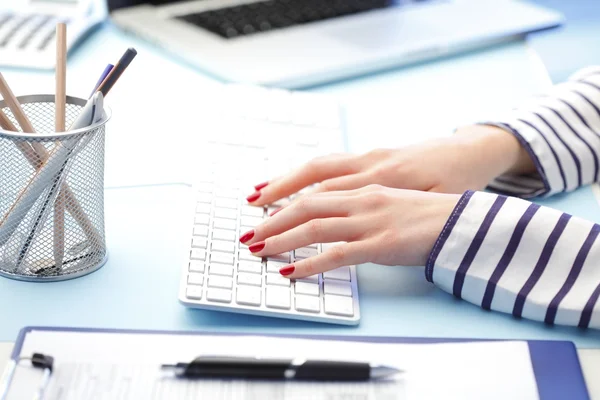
(507, 254)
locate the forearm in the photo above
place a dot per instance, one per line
(496, 148)
(516, 257)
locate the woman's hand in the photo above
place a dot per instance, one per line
(379, 224)
(468, 160)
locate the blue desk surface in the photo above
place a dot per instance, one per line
(138, 287)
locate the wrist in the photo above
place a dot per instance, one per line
(458, 204)
(435, 216)
(496, 149)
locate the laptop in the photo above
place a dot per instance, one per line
(300, 43)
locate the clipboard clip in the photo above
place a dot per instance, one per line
(39, 361)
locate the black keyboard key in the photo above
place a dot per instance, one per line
(248, 19)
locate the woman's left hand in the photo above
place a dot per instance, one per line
(378, 224)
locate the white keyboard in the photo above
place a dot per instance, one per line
(261, 133)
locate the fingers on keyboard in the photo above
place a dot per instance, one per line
(336, 257)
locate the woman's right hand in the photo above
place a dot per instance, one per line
(469, 159)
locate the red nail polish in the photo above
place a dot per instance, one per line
(253, 197)
(247, 236)
(261, 185)
(287, 270)
(275, 212)
(256, 247)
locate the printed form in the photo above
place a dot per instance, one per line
(124, 366)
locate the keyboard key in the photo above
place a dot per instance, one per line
(199, 242)
(305, 252)
(201, 230)
(218, 295)
(339, 305)
(249, 295)
(227, 193)
(201, 219)
(195, 279)
(252, 222)
(341, 273)
(227, 213)
(311, 289)
(224, 234)
(198, 254)
(221, 245)
(275, 266)
(216, 281)
(310, 279)
(203, 208)
(204, 198)
(229, 224)
(337, 287)
(220, 269)
(196, 266)
(221, 258)
(249, 279)
(277, 279)
(283, 257)
(278, 297)
(254, 267)
(194, 292)
(253, 211)
(308, 303)
(248, 256)
(223, 202)
(228, 183)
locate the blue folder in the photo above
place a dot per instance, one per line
(555, 363)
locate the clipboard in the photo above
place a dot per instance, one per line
(555, 364)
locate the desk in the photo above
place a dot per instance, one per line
(137, 288)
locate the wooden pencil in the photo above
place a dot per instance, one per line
(25, 148)
(60, 100)
(19, 114)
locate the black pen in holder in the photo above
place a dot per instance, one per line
(72, 162)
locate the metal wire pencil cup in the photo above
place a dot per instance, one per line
(27, 250)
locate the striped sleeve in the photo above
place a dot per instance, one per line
(561, 133)
(510, 255)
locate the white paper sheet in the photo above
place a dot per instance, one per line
(126, 366)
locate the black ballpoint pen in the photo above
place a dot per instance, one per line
(279, 369)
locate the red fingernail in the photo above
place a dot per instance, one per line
(287, 270)
(253, 197)
(275, 212)
(256, 247)
(247, 236)
(261, 185)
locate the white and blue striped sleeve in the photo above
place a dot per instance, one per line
(510, 255)
(561, 133)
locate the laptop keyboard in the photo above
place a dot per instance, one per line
(247, 19)
(263, 132)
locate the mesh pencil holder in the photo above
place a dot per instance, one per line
(51, 195)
